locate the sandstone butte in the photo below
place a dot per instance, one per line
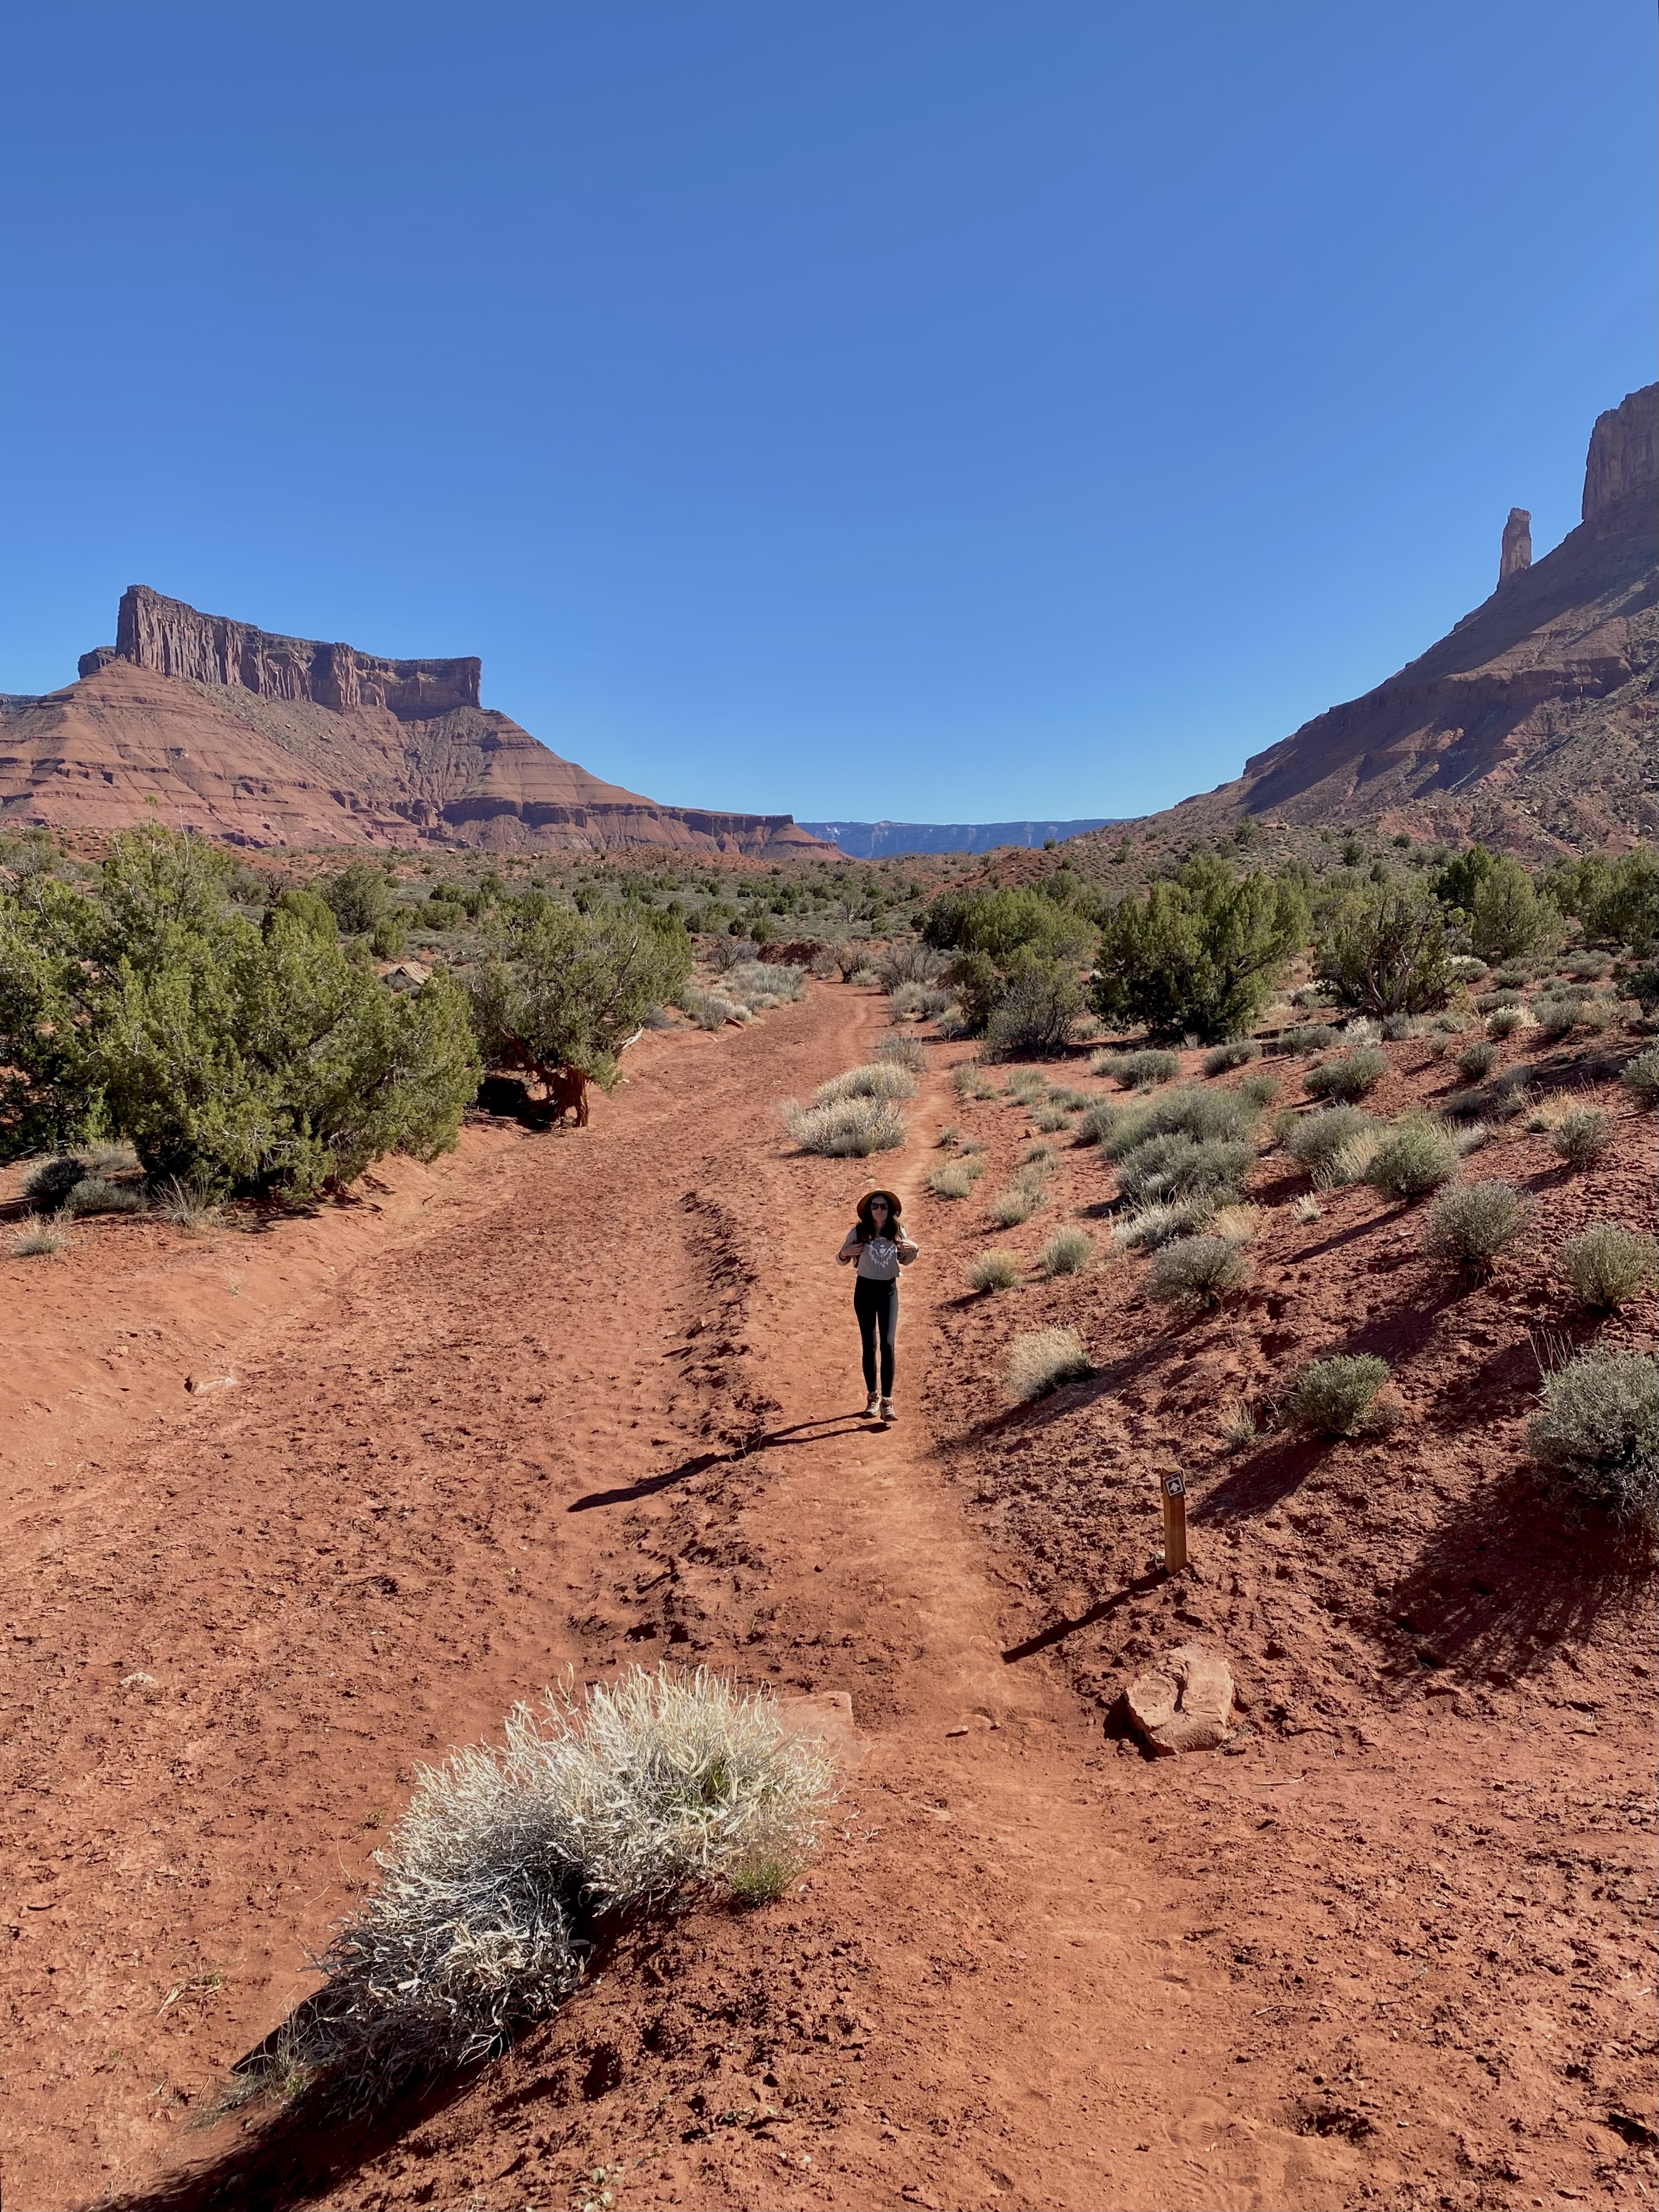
(261, 740)
(1533, 724)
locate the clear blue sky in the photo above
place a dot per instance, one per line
(931, 410)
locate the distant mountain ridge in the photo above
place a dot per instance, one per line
(1533, 723)
(213, 725)
(879, 840)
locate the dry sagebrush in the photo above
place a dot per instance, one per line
(617, 1800)
(845, 1128)
(1041, 1359)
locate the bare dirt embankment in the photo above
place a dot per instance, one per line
(599, 1404)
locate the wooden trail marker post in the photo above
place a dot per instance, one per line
(1174, 1523)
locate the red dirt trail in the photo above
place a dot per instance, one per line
(599, 1402)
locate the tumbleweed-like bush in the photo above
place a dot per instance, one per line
(621, 1798)
(1188, 1112)
(1414, 1158)
(1136, 1071)
(100, 1195)
(1467, 1228)
(1150, 1227)
(1505, 1021)
(1196, 1272)
(1238, 1053)
(1350, 1076)
(876, 1078)
(1609, 1265)
(1600, 1424)
(1477, 1060)
(1337, 1397)
(39, 1238)
(1066, 1251)
(955, 1179)
(1258, 1091)
(1040, 1360)
(994, 1271)
(1314, 1140)
(1640, 1077)
(1582, 1137)
(1175, 1166)
(903, 1051)
(1096, 1123)
(845, 1128)
(1014, 1205)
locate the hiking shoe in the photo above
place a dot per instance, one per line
(873, 1410)
(887, 1413)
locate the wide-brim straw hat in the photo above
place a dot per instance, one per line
(894, 1207)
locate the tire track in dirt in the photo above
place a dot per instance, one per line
(608, 1415)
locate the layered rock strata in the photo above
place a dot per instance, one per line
(261, 739)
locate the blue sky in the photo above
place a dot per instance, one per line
(943, 411)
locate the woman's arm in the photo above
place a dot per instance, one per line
(850, 1249)
(909, 1249)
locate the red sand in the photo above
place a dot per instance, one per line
(595, 1401)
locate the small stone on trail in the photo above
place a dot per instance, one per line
(1183, 1704)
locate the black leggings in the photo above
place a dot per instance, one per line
(876, 1305)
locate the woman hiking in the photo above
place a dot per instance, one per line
(881, 1249)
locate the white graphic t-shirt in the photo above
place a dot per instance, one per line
(878, 1259)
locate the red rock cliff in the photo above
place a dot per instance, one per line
(1624, 451)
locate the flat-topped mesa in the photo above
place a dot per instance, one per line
(176, 640)
(1624, 451)
(1516, 555)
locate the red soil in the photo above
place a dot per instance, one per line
(596, 1402)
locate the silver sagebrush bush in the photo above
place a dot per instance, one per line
(618, 1799)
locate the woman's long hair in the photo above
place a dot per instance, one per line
(866, 1228)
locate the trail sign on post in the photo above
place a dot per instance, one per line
(1174, 1523)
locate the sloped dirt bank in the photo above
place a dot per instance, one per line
(609, 1410)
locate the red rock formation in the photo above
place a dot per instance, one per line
(1534, 722)
(1517, 554)
(1624, 451)
(261, 739)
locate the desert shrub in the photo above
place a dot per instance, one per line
(994, 1271)
(878, 1078)
(1041, 1359)
(1384, 949)
(1467, 1228)
(1315, 1140)
(1239, 1054)
(1505, 1021)
(712, 1010)
(918, 1002)
(1197, 1271)
(846, 1127)
(1073, 1101)
(824, 966)
(1066, 1252)
(1477, 1061)
(389, 938)
(1238, 1427)
(1014, 1205)
(1201, 954)
(1306, 1210)
(865, 978)
(1312, 1037)
(1001, 924)
(1150, 1227)
(1258, 1091)
(1337, 1397)
(571, 988)
(1599, 1423)
(1237, 1221)
(910, 961)
(1178, 1166)
(1138, 1071)
(620, 1799)
(357, 897)
(186, 1202)
(1034, 1008)
(1413, 1158)
(903, 1051)
(98, 1195)
(1098, 1122)
(1640, 1077)
(1582, 1137)
(1225, 1115)
(1609, 1265)
(1351, 1076)
(51, 1183)
(1557, 1017)
(1396, 1028)
(1051, 1119)
(954, 1180)
(1586, 966)
(1508, 918)
(40, 1238)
